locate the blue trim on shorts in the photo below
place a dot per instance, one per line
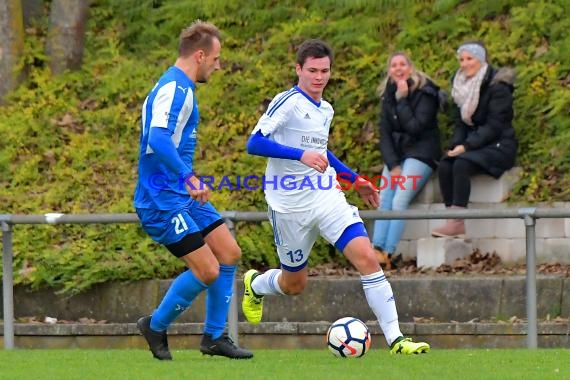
(351, 232)
(294, 269)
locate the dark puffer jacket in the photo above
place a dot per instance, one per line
(408, 127)
(491, 142)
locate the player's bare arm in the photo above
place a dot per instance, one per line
(315, 161)
(368, 192)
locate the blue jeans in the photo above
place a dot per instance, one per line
(387, 233)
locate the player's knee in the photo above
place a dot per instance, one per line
(293, 289)
(229, 255)
(208, 274)
(367, 262)
(234, 254)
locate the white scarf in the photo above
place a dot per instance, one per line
(466, 92)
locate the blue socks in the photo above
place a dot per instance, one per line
(183, 291)
(179, 296)
(218, 299)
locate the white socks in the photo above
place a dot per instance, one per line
(381, 300)
(267, 283)
(376, 288)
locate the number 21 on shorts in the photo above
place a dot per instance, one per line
(179, 224)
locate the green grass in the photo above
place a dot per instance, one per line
(286, 364)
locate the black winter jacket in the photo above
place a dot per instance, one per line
(408, 127)
(491, 142)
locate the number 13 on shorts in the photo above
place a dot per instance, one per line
(296, 256)
(293, 238)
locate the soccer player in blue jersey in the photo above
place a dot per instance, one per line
(173, 206)
(293, 133)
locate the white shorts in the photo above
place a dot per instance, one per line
(295, 233)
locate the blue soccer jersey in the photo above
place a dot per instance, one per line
(168, 139)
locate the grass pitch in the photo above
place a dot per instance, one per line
(286, 364)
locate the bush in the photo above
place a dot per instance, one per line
(70, 142)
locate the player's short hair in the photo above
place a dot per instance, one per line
(314, 48)
(198, 36)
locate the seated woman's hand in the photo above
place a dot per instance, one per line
(456, 151)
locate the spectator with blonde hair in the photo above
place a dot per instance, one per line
(409, 143)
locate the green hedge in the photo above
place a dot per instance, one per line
(69, 143)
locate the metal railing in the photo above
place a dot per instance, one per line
(528, 215)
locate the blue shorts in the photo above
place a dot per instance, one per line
(168, 227)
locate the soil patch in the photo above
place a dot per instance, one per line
(478, 263)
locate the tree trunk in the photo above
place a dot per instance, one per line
(66, 34)
(34, 12)
(11, 44)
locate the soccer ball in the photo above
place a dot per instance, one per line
(348, 337)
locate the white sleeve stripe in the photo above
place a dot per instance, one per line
(183, 118)
(162, 104)
(281, 101)
(143, 113)
(279, 97)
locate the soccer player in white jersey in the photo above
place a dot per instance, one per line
(305, 200)
(173, 206)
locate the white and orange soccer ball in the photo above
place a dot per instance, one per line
(348, 337)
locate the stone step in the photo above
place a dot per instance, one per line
(505, 237)
(550, 228)
(288, 335)
(433, 252)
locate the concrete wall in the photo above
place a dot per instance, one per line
(444, 299)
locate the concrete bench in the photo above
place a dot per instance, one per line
(484, 188)
(506, 237)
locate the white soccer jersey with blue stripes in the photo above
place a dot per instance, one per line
(296, 120)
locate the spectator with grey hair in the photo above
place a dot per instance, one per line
(483, 140)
